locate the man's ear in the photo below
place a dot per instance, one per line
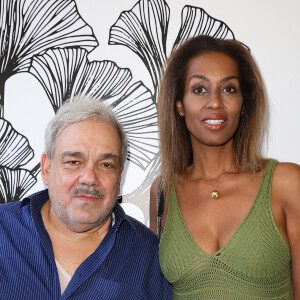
(121, 173)
(45, 166)
(179, 107)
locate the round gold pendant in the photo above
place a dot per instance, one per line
(215, 194)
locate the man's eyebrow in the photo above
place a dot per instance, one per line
(75, 154)
(109, 156)
(78, 154)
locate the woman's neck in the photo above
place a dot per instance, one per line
(212, 161)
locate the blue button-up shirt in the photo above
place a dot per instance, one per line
(124, 266)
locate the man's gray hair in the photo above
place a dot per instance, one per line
(80, 109)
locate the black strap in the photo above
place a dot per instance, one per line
(160, 202)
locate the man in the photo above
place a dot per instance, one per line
(73, 241)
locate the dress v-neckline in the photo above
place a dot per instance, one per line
(218, 252)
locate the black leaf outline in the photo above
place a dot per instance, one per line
(14, 183)
(133, 29)
(15, 152)
(45, 24)
(14, 147)
(196, 21)
(137, 113)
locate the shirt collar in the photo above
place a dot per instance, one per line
(121, 216)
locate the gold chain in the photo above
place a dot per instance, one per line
(215, 193)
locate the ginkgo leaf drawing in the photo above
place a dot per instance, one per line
(137, 113)
(196, 21)
(144, 30)
(31, 29)
(66, 73)
(15, 152)
(14, 183)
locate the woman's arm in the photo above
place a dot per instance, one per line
(288, 182)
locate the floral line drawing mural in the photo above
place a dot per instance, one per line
(50, 40)
(42, 25)
(29, 28)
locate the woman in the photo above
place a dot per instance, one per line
(231, 219)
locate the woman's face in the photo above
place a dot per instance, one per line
(212, 100)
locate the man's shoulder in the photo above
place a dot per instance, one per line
(137, 230)
(17, 209)
(142, 230)
(10, 208)
(14, 218)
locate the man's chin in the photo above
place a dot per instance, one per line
(86, 222)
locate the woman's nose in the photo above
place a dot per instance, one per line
(215, 101)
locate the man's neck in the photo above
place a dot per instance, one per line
(71, 248)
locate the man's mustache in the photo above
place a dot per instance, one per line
(88, 190)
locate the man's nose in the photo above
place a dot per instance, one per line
(89, 176)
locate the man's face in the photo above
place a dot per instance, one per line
(84, 175)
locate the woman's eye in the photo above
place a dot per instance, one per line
(199, 90)
(229, 89)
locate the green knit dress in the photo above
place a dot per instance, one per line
(254, 264)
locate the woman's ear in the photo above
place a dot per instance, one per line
(179, 107)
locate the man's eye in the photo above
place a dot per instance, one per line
(107, 165)
(199, 89)
(73, 162)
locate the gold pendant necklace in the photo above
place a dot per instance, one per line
(215, 194)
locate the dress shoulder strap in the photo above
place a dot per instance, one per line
(266, 184)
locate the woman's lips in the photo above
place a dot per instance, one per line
(214, 121)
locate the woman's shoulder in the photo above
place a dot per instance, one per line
(285, 171)
(286, 181)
